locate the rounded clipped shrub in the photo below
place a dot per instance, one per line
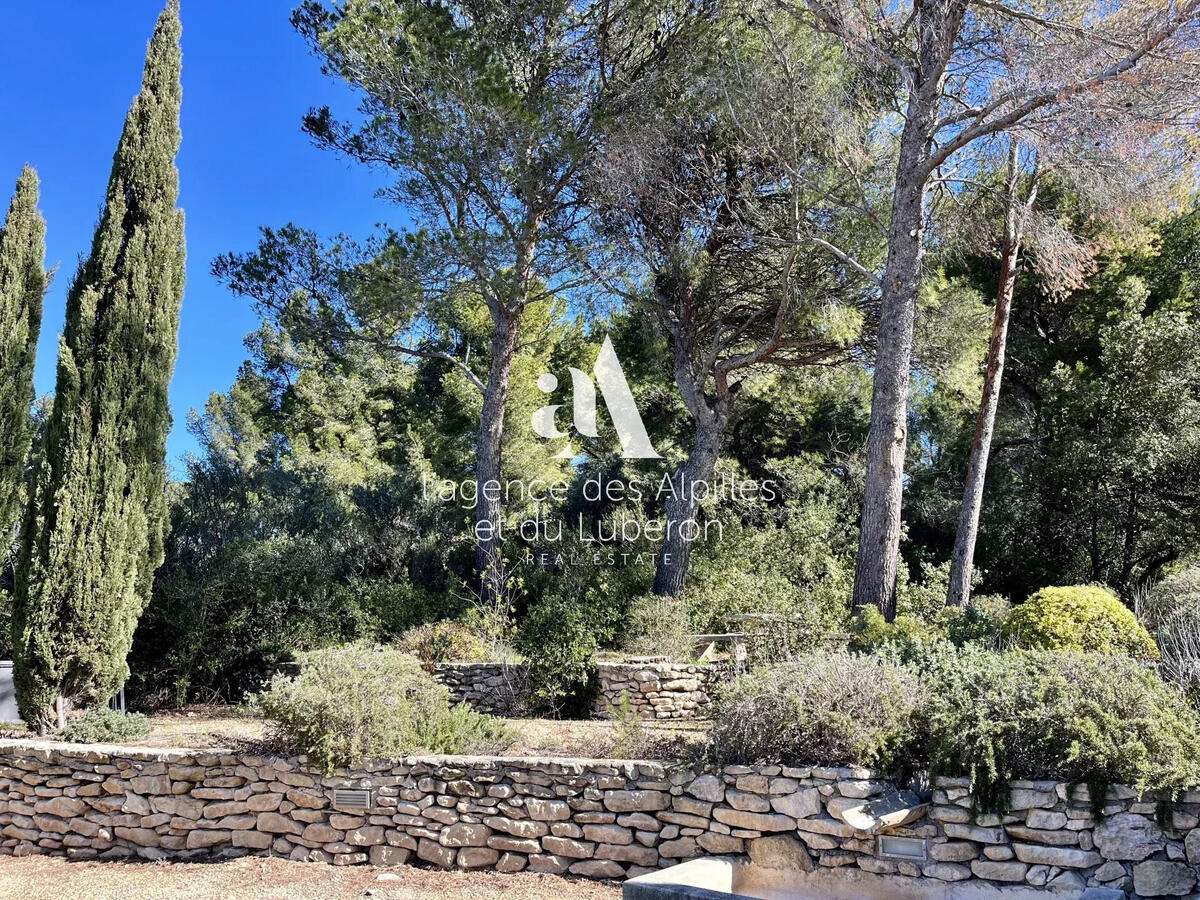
(445, 641)
(828, 709)
(355, 701)
(1076, 717)
(1084, 617)
(102, 725)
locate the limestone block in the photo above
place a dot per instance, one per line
(634, 801)
(999, 871)
(707, 787)
(1129, 837)
(756, 821)
(946, 872)
(433, 852)
(780, 851)
(1157, 878)
(477, 857)
(1056, 856)
(953, 851)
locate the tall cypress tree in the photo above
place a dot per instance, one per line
(22, 286)
(94, 533)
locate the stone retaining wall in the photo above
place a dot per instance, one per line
(596, 818)
(656, 690)
(497, 689)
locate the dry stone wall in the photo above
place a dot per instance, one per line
(497, 689)
(595, 818)
(654, 691)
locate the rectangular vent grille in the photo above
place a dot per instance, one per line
(349, 798)
(890, 847)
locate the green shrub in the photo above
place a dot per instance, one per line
(980, 622)
(658, 626)
(559, 642)
(1170, 596)
(792, 557)
(1083, 617)
(921, 588)
(102, 725)
(820, 709)
(1172, 611)
(445, 641)
(1074, 717)
(870, 631)
(354, 701)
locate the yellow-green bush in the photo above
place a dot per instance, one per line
(871, 631)
(1083, 617)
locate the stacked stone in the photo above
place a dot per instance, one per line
(590, 818)
(595, 818)
(1052, 837)
(497, 689)
(786, 817)
(656, 691)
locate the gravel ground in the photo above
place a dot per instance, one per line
(52, 878)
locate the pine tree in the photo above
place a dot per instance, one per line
(22, 284)
(95, 527)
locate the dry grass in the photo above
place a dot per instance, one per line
(46, 877)
(225, 726)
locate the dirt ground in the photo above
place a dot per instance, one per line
(199, 727)
(52, 878)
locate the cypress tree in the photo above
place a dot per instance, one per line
(95, 526)
(22, 286)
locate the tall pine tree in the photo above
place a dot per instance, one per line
(22, 285)
(94, 533)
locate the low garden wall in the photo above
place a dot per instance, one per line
(595, 818)
(497, 689)
(654, 690)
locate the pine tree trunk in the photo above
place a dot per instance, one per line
(489, 509)
(674, 557)
(879, 536)
(962, 562)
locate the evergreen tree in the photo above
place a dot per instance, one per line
(96, 521)
(22, 284)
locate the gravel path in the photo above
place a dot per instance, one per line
(52, 878)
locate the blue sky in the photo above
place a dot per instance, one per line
(71, 70)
